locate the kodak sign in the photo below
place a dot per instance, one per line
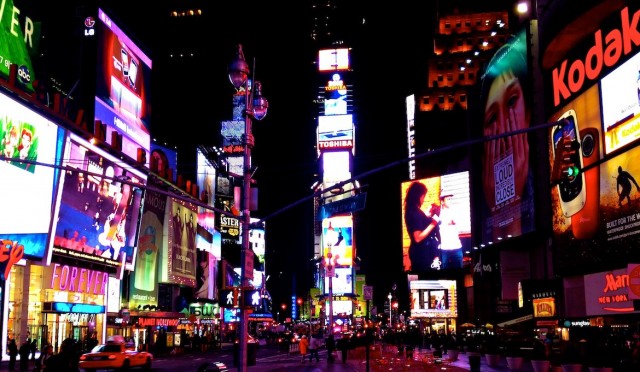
(608, 48)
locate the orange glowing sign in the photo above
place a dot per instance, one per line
(544, 307)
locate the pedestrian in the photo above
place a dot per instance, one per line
(314, 345)
(24, 351)
(43, 360)
(343, 346)
(303, 345)
(331, 348)
(34, 348)
(13, 353)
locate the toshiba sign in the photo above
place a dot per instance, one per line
(607, 49)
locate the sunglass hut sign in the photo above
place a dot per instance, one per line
(608, 48)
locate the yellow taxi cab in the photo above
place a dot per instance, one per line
(115, 354)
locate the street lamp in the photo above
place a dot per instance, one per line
(256, 108)
(390, 315)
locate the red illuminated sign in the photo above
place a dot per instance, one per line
(570, 77)
(10, 253)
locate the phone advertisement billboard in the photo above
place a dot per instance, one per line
(123, 87)
(436, 222)
(26, 140)
(595, 214)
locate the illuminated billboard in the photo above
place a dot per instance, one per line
(336, 96)
(26, 139)
(333, 60)
(99, 208)
(433, 299)
(335, 132)
(594, 212)
(426, 244)
(123, 87)
(337, 238)
(342, 281)
(179, 258)
(507, 164)
(621, 105)
(336, 166)
(16, 46)
(342, 307)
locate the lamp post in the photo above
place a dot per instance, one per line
(256, 108)
(390, 315)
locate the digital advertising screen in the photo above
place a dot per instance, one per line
(448, 198)
(30, 148)
(206, 181)
(337, 238)
(342, 281)
(335, 132)
(594, 213)
(18, 41)
(621, 105)
(506, 179)
(98, 215)
(433, 298)
(342, 307)
(336, 95)
(336, 166)
(333, 60)
(123, 87)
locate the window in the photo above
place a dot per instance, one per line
(451, 99)
(440, 78)
(441, 99)
(425, 100)
(463, 98)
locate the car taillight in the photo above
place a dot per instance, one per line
(111, 357)
(83, 357)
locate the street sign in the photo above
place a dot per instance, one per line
(347, 205)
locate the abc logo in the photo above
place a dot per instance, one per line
(24, 75)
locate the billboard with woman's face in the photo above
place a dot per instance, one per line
(506, 207)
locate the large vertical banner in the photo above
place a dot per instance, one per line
(145, 279)
(123, 87)
(182, 243)
(506, 162)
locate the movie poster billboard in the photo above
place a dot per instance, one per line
(182, 220)
(26, 140)
(144, 288)
(99, 208)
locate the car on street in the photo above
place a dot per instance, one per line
(115, 354)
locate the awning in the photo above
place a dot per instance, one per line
(516, 320)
